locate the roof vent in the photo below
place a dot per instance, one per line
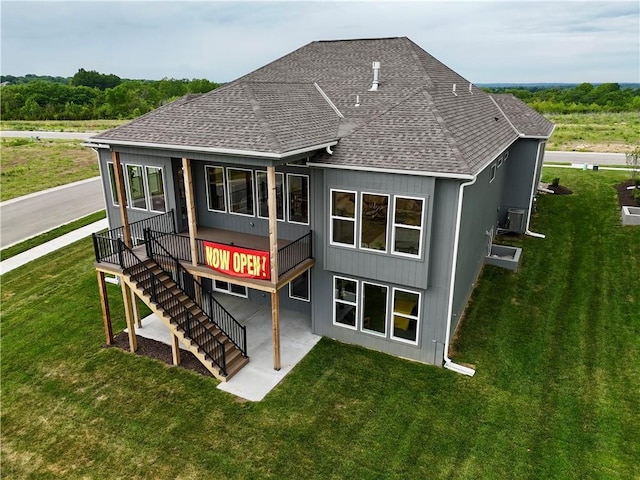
(470, 90)
(376, 77)
(454, 90)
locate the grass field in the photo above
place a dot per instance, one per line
(556, 394)
(595, 132)
(62, 125)
(30, 166)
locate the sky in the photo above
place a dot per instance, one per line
(563, 41)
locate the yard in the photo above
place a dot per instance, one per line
(556, 394)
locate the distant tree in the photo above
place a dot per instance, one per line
(91, 78)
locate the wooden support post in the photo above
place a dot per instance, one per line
(175, 349)
(275, 323)
(106, 315)
(191, 209)
(136, 310)
(273, 254)
(128, 312)
(122, 198)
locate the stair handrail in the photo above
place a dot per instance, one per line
(235, 331)
(134, 269)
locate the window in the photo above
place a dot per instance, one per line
(230, 288)
(215, 189)
(262, 192)
(155, 184)
(135, 181)
(373, 221)
(299, 288)
(407, 226)
(406, 311)
(112, 181)
(343, 218)
(240, 183)
(345, 302)
(374, 308)
(493, 173)
(500, 160)
(298, 206)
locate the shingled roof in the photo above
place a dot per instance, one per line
(423, 117)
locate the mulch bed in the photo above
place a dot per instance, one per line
(160, 351)
(625, 197)
(560, 190)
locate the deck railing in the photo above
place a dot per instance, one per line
(105, 249)
(293, 254)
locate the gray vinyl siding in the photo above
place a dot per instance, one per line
(520, 168)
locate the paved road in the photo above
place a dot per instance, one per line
(58, 135)
(586, 157)
(27, 216)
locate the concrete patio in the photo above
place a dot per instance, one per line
(258, 377)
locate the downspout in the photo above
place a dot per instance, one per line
(534, 186)
(448, 363)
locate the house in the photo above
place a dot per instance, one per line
(358, 182)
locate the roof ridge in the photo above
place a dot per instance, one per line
(445, 131)
(505, 115)
(271, 137)
(412, 50)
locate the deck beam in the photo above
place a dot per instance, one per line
(104, 302)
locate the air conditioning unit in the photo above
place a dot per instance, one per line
(515, 220)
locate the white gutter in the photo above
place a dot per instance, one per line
(215, 150)
(457, 176)
(448, 363)
(533, 192)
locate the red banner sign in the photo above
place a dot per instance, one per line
(236, 261)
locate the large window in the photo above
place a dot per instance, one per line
(373, 221)
(374, 308)
(230, 288)
(406, 312)
(240, 185)
(215, 189)
(345, 302)
(408, 226)
(155, 184)
(343, 218)
(112, 181)
(135, 181)
(263, 191)
(299, 288)
(298, 204)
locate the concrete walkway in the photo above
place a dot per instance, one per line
(51, 246)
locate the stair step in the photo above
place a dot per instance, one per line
(235, 366)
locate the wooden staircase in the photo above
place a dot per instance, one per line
(186, 319)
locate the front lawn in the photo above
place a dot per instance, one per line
(556, 345)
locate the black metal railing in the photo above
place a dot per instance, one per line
(105, 248)
(200, 295)
(160, 293)
(289, 256)
(292, 255)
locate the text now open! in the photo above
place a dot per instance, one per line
(236, 261)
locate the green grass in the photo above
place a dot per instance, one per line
(30, 166)
(50, 235)
(595, 132)
(556, 345)
(61, 125)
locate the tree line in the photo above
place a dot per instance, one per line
(90, 95)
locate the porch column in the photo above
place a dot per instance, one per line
(128, 313)
(191, 209)
(122, 198)
(106, 315)
(273, 253)
(175, 349)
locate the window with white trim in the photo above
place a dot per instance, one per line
(406, 312)
(155, 187)
(345, 302)
(298, 198)
(299, 287)
(240, 189)
(214, 177)
(112, 182)
(374, 308)
(135, 185)
(262, 193)
(343, 218)
(374, 213)
(408, 225)
(230, 288)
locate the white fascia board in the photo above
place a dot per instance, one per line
(221, 151)
(398, 171)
